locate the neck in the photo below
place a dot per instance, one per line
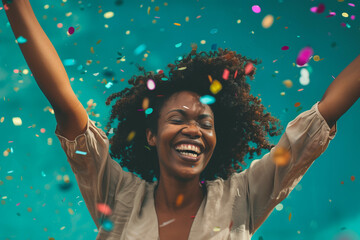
(173, 196)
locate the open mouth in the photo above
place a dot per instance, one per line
(188, 155)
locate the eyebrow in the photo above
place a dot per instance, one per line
(201, 116)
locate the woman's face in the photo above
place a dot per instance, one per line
(185, 126)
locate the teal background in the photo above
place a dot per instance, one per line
(33, 206)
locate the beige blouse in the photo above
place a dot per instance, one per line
(245, 198)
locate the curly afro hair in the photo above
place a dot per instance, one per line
(239, 116)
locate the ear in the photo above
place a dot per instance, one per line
(151, 138)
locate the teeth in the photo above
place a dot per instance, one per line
(188, 147)
(188, 154)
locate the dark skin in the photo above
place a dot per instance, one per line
(195, 122)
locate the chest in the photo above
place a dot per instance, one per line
(175, 227)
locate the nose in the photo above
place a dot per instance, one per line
(192, 129)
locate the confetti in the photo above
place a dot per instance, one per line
(288, 83)
(17, 121)
(148, 111)
(150, 84)
(267, 21)
(179, 200)
(107, 225)
(207, 99)
(214, 31)
(21, 40)
(103, 208)
(140, 49)
(215, 87)
(145, 103)
(69, 62)
(177, 24)
(216, 229)
(166, 223)
(178, 45)
(285, 48)
(248, 68)
(281, 156)
(256, 9)
(225, 74)
(130, 136)
(80, 152)
(108, 15)
(304, 56)
(318, 9)
(71, 30)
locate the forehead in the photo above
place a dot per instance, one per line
(187, 101)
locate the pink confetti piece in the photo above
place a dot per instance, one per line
(352, 17)
(256, 9)
(275, 60)
(71, 30)
(351, 4)
(318, 9)
(285, 48)
(235, 74)
(103, 208)
(331, 14)
(225, 74)
(17, 204)
(248, 68)
(304, 56)
(59, 25)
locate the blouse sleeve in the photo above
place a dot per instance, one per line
(267, 184)
(98, 176)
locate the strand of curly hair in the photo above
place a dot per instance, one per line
(239, 116)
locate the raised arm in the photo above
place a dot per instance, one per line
(342, 93)
(47, 68)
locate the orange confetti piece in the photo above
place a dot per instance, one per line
(289, 216)
(352, 178)
(297, 104)
(179, 200)
(92, 50)
(177, 24)
(281, 156)
(210, 78)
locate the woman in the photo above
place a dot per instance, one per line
(194, 145)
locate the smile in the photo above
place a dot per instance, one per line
(187, 156)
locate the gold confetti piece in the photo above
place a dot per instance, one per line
(109, 14)
(29, 209)
(288, 83)
(9, 178)
(215, 87)
(92, 50)
(179, 200)
(17, 121)
(2, 119)
(267, 21)
(177, 24)
(145, 103)
(210, 78)
(62, 228)
(344, 14)
(99, 41)
(130, 136)
(157, 8)
(289, 216)
(238, 21)
(66, 178)
(216, 229)
(71, 212)
(202, 41)
(148, 11)
(182, 68)
(187, 19)
(281, 156)
(316, 58)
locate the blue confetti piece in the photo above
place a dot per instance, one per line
(43, 174)
(107, 225)
(69, 62)
(213, 31)
(180, 58)
(80, 152)
(164, 79)
(140, 49)
(213, 46)
(80, 67)
(108, 85)
(178, 45)
(148, 111)
(207, 99)
(21, 40)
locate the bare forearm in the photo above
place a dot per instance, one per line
(342, 93)
(38, 51)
